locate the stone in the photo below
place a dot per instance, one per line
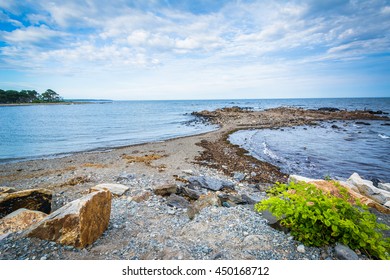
(273, 221)
(177, 201)
(301, 249)
(205, 200)
(210, 183)
(231, 198)
(141, 197)
(238, 176)
(78, 223)
(190, 193)
(368, 189)
(387, 204)
(165, 190)
(33, 199)
(250, 199)
(343, 252)
(20, 220)
(188, 171)
(384, 186)
(115, 189)
(5, 190)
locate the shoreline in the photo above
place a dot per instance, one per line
(136, 217)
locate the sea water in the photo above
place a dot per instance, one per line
(30, 132)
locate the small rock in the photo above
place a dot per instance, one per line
(345, 253)
(165, 190)
(190, 193)
(115, 189)
(188, 171)
(141, 197)
(177, 201)
(238, 176)
(301, 248)
(210, 199)
(210, 183)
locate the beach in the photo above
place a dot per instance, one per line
(144, 225)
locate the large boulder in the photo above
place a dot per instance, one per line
(115, 189)
(33, 199)
(78, 223)
(210, 183)
(20, 220)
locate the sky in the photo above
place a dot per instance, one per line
(171, 49)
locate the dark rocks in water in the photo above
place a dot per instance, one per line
(328, 109)
(33, 199)
(335, 126)
(363, 123)
(177, 201)
(345, 253)
(379, 112)
(210, 183)
(386, 124)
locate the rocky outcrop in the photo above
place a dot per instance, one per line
(358, 188)
(20, 220)
(115, 189)
(78, 223)
(33, 199)
(368, 189)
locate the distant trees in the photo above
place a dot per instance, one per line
(29, 96)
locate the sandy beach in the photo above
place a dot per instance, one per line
(143, 225)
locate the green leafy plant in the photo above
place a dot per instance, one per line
(316, 218)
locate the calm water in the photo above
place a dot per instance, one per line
(28, 132)
(335, 149)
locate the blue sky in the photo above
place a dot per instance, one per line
(196, 49)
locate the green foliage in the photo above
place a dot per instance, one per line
(317, 218)
(28, 96)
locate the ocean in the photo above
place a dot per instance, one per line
(42, 131)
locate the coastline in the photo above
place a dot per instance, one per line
(173, 162)
(38, 104)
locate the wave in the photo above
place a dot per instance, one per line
(383, 136)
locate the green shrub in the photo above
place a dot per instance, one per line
(317, 218)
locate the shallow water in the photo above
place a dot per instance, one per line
(28, 132)
(335, 149)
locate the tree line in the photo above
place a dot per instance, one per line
(29, 96)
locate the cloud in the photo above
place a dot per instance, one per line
(240, 41)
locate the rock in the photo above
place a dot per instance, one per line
(177, 201)
(20, 220)
(205, 200)
(165, 190)
(335, 126)
(387, 204)
(250, 199)
(141, 197)
(115, 189)
(190, 193)
(238, 176)
(210, 183)
(78, 223)
(33, 199)
(328, 109)
(188, 171)
(5, 190)
(363, 123)
(367, 188)
(273, 221)
(384, 186)
(301, 249)
(125, 177)
(345, 253)
(231, 198)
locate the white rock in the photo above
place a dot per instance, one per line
(188, 171)
(387, 204)
(301, 249)
(367, 188)
(384, 186)
(115, 189)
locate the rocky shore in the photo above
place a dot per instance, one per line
(186, 198)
